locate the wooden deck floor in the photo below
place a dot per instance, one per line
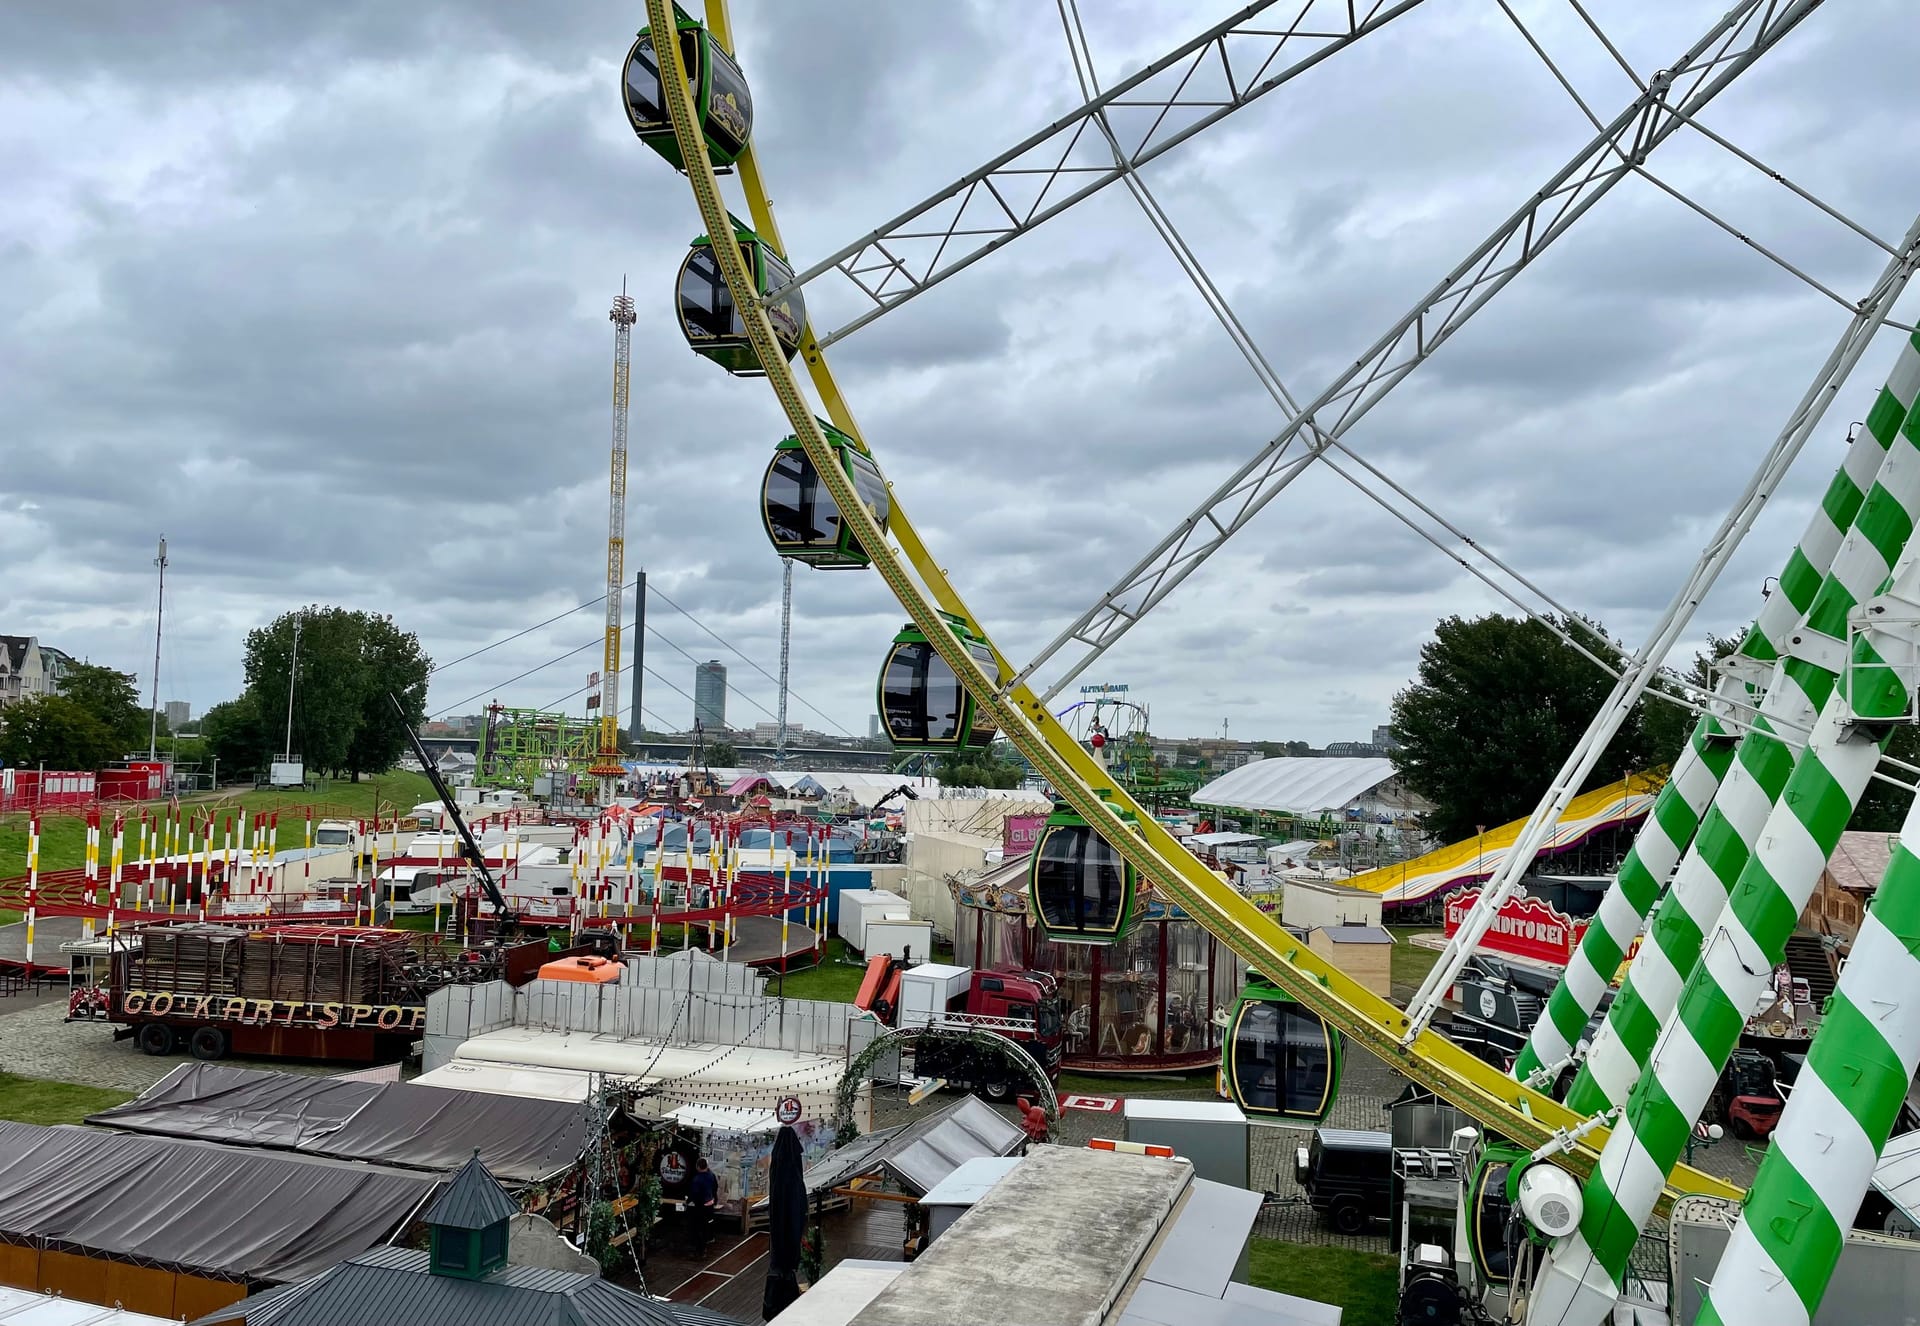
(732, 1275)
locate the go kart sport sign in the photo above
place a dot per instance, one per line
(1525, 928)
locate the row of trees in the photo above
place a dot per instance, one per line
(1497, 703)
(342, 723)
(95, 717)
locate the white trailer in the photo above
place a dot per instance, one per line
(909, 941)
(859, 907)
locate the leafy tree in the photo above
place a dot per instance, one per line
(58, 732)
(978, 768)
(1718, 647)
(234, 735)
(1493, 711)
(348, 662)
(394, 666)
(112, 697)
(722, 754)
(1883, 807)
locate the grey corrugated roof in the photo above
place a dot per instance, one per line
(473, 1200)
(389, 1123)
(228, 1209)
(1356, 934)
(395, 1285)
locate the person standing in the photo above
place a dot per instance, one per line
(703, 1195)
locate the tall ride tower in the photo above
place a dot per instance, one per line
(607, 767)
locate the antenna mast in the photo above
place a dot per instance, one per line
(293, 675)
(607, 767)
(786, 643)
(160, 607)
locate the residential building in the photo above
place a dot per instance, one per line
(54, 666)
(710, 697)
(22, 673)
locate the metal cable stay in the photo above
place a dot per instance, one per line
(1602, 163)
(1674, 689)
(1124, 166)
(1869, 316)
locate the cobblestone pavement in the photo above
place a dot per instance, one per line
(38, 1041)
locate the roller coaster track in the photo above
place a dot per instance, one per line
(923, 589)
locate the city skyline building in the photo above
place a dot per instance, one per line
(710, 697)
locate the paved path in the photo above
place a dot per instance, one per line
(37, 1041)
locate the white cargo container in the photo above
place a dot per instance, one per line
(1211, 1134)
(1310, 904)
(860, 906)
(908, 940)
(929, 991)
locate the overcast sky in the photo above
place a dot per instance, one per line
(320, 293)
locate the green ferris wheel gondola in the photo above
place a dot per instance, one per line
(710, 322)
(922, 702)
(1279, 1060)
(800, 515)
(1078, 885)
(720, 96)
(1489, 1205)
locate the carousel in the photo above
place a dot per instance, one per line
(1143, 1003)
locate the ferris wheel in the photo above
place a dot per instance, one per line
(1115, 728)
(943, 684)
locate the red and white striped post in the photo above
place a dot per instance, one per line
(113, 878)
(33, 878)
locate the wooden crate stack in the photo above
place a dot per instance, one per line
(189, 959)
(304, 968)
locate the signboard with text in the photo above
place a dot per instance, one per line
(1525, 928)
(1022, 833)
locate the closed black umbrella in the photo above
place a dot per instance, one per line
(786, 1222)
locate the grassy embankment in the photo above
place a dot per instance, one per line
(30, 1100)
(63, 837)
(1411, 963)
(1365, 1284)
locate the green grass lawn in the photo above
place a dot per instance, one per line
(1363, 1283)
(32, 1100)
(833, 979)
(63, 837)
(1139, 1084)
(1411, 963)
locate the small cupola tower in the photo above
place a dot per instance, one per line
(467, 1225)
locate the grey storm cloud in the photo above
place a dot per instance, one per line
(320, 292)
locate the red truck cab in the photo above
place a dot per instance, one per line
(1023, 1006)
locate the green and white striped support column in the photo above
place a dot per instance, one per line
(1783, 1251)
(1748, 940)
(1657, 847)
(1763, 760)
(1697, 774)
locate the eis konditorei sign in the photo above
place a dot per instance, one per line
(274, 1012)
(1525, 928)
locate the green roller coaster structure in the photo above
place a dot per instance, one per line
(519, 745)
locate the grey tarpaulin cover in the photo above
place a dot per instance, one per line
(922, 1153)
(388, 1123)
(195, 1206)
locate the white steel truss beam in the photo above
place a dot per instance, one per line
(1742, 35)
(1229, 66)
